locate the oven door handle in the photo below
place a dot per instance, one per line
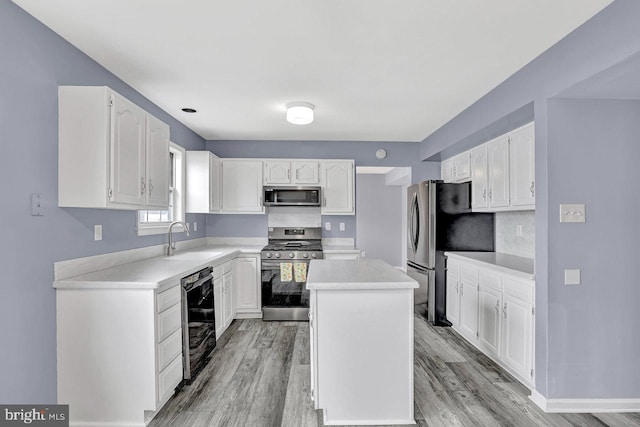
(199, 283)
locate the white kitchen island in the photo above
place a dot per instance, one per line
(361, 322)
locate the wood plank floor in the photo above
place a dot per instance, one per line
(259, 376)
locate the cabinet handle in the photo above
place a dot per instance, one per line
(150, 188)
(142, 186)
(461, 290)
(490, 195)
(532, 188)
(298, 174)
(504, 310)
(497, 306)
(324, 202)
(484, 194)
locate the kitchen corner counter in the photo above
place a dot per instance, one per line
(154, 273)
(356, 274)
(516, 265)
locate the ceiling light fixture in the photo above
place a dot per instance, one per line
(300, 113)
(189, 110)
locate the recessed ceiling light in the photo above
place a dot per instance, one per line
(300, 113)
(189, 110)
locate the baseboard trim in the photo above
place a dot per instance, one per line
(584, 405)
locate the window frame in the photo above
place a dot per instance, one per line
(179, 201)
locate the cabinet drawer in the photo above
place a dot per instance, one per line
(469, 273)
(453, 267)
(227, 266)
(169, 378)
(523, 289)
(490, 279)
(169, 349)
(169, 321)
(167, 298)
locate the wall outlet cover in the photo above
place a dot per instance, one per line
(342, 227)
(572, 277)
(97, 232)
(195, 226)
(519, 230)
(327, 226)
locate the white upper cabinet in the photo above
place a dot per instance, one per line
(498, 164)
(456, 169)
(277, 172)
(479, 178)
(337, 181)
(522, 170)
(242, 186)
(111, 153)
(305, 172)
(203, 182)
(157, 163)
(291, 172)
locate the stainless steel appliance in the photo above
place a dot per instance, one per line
(439, 220)
(285, 261)
(291, 196)
(198, 321)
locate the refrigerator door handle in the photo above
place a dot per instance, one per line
(412, 231)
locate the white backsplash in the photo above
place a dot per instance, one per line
(507, 240)
(291, 216)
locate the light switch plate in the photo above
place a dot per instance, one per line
(342, 226)
(572, 277)
(572, 213)
(327, 226)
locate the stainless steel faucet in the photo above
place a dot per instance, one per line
(171, 248)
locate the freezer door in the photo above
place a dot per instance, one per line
(421, 276)
(421, 224)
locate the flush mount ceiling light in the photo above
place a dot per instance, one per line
(300, 113)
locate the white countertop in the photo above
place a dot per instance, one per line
(340, 249)
(519, 266)
(356, 274)
(155, 272)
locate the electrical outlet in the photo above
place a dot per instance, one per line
(519, 230)
(195, 226)
(97, 232)
(363, 254)
(342, 226)
(36, 205)
(327, 226)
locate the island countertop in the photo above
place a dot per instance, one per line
(356, 274)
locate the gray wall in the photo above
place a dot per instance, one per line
(379, 218)
(34, 62)
(594, 346)
(610, 37)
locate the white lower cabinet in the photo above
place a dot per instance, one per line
(218, 302)
(495, 313)
(246, 271)
(227, 290)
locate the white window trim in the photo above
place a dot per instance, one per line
(179, 201)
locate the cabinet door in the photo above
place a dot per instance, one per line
(453, 299)
(522, 167)
(498, 162)
(277, 172)
(517, 336)
(478, 165)
(312, 346)
(157, 168)
(246, 283)
(242, 186)
(214, 183)
(461, 167)
(446, 170)
(218, 304)
(337, 187)
(127, 166)
(469, 309)
(305, 172)
(228, 299)
(489, 305)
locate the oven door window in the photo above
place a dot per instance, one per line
(290, 292)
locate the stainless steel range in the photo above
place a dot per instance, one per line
(285, 261)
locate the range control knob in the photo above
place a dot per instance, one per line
(305, 255)
(313, 255)
(292, 255)
(268, 255)
(277, 255)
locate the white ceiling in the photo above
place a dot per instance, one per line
(385, 70)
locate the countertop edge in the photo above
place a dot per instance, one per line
(512, 271)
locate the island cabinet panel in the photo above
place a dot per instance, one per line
(368, 383)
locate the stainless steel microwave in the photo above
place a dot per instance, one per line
(291, 196)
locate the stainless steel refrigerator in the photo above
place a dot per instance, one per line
(439, 220)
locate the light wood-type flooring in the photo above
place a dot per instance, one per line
(259, 376)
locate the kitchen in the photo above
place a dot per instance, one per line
(573, 107)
